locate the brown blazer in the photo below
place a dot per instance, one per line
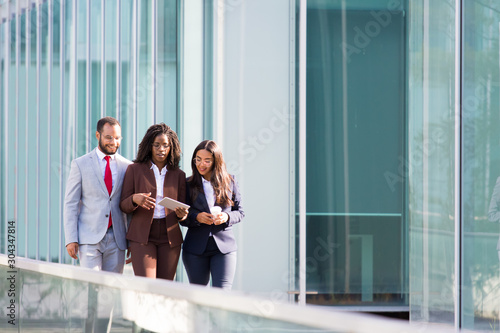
(140, 178)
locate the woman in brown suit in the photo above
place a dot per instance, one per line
(154, 235)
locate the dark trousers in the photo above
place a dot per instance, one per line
(221, 267)
(156, 259)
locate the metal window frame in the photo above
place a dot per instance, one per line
(16, 130)
(118, 61)
(218, 110)
(74, 65)
(50, 55)
(103, 59)
(38, 98)
(88, 74)
(155, 56)
(28, 61)
(459, 232)
(302, 148)
(62, 56)
(134, 54)
(6, 115)
(292, 151)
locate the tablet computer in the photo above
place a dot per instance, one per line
(172, 204)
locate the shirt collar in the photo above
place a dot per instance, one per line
(155, 167)
(205, 181)
(101, 155)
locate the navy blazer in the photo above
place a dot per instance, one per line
(198, 233)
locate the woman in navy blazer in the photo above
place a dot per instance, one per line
(209, 247)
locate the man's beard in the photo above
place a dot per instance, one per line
(104, 149)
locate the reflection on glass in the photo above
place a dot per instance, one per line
(145, 84)
(95, 67)
(43, 139)
(127, 116)
(11, 127)
(69, 98)
(31, 151)
(166, 71)
(81, 80)
(110, 64)
(22, 141)
(432, 161)
(356, 138)
(481, 165)
(55, 135)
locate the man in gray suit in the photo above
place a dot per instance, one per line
(94, 225)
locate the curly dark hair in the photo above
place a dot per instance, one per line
(144, 154)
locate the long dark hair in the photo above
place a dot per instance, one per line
(144, 154)
(220, 179)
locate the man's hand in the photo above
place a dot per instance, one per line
(128, 256)
(72, 249)
(144, 200)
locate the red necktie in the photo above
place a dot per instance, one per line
(108, 180)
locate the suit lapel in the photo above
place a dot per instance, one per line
(202, 201)
(94, 161)
(150, 176)
(169, 187)
(120, 170)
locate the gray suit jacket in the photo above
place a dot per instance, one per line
(87, 203)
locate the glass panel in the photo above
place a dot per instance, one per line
(95, 68)
(166, 71)
(127, 118)
(431, 187)
(11, 144)
(3, 145)
(83, 129)
(44, 149)
(55, 135)
(145, 84)
(356, 139)
(208, 68)
(110, 59)
(481, 166)
(69, 96)
(22, 142)
(32, 127)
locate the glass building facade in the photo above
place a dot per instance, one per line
(362, 133)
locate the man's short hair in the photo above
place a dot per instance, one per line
(106, 120)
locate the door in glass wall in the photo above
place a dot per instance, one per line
(481, 166)
(356, 243)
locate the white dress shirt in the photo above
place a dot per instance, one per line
(209, 192)
(112, 164)
(160, 180)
